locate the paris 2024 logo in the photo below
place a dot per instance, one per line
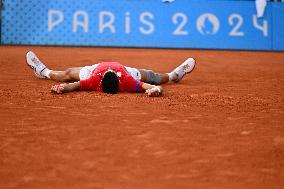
(208, 24)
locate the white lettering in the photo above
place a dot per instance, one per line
(235, 29)
(84, 24)
(108, 24)
(178, 30)
(263, 28)
(146, 22)
(51, 22)
(127, 22)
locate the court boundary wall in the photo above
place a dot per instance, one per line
(183, 24)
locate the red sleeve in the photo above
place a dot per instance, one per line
(132, 85)
(87, 85)
(83, 85)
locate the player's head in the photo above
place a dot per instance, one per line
(110, 82)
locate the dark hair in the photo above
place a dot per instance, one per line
(110, 83)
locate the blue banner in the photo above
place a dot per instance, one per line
(278, 26)
(134, 23)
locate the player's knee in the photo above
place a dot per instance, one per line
(152, 77)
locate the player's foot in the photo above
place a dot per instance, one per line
(35, 64)
(183, 69)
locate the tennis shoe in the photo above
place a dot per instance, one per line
(185, 68)
(35, 64)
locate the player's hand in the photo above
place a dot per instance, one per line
(58, 89)
(155, 91)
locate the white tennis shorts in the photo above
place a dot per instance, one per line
(86, 72)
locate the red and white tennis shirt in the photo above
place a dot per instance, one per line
(126, 82)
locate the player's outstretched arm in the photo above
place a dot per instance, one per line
(65, 87)
(152, 90)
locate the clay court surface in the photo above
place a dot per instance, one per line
(220, 127)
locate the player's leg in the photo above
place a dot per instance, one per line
(151, 77)
(42, 72)
(176, 75)
(148, 76)
(70, 74)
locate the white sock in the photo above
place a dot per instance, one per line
(172, 76)
(46, 72)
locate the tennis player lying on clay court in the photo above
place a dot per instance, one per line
(108, 77)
